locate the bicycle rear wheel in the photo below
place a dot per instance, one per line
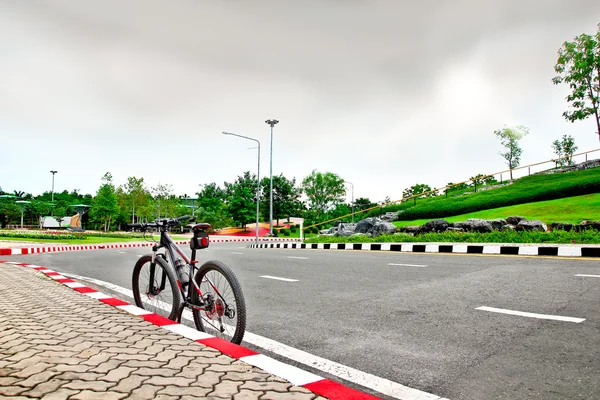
(155, 287)
(223, 312)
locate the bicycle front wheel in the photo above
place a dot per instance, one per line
(218, 306)
(155, 287)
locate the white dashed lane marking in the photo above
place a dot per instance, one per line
(279, 279)
(588, 276)
(409, 265)
(298, 258)
(531, 315)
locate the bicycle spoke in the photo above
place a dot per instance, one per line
(221, 313)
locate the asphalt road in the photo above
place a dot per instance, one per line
(415, 323)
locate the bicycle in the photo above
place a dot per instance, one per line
(161, 283)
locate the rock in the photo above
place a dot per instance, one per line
(514, 220)
(508, 228)
(561, 226)
(498, 224)
(590, 225)
(390, 216)
(475, 225)
(452, 229)
(409, 229)
(576, 167)
(383, 228)
(437, 225)
(329, 231)
(365, 225)
(346, 229)
(533, 225)
(480, 225)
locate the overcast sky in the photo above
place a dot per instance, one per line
(386, 94)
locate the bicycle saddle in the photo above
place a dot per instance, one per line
(203, 226)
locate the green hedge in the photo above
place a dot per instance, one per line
(525, 190)
(591, 236)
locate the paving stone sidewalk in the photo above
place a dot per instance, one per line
(58, 344)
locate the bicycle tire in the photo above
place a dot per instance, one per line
(211, 320)
(166, 305)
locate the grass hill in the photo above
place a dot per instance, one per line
(569, 210)
(530, 189)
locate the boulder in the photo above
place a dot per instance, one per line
(344, 228)
(383, 228)
(453, 229)
(409, 229)
(365, 225)
(437, 225)
(390, 216)
(329, 231)
(475, 225)
(589, 225)
(508, 228)
(561, 226)
(480, 225)
(498, 224)
(514, 220)
(533, 225)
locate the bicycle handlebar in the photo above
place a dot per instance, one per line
(165, 222)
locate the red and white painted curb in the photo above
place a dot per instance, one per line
(52, 249)
(296, 376)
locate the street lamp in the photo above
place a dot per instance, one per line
(352, 199)
(53, 172)
(272, 123)
(257, 177)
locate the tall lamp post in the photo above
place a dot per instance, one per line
(257, 177)
(352, 199)
(272, 123)
(53, 173)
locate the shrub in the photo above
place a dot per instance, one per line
(591, 236)
(293, 229)
(286, 233)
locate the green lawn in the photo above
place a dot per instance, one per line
(570, 209)
(91, 240)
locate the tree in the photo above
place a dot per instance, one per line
(165, 199)
(578, 65)
(479, 180)
(212, 206)
(105, 205)
(286, 197)
(564, 150)
(40, 209)
(241, 197)
(509, 138)
(420, 190)
(362, 203)
(136, 193)
(324, 191)
(59, 215)
(211, 197)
